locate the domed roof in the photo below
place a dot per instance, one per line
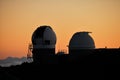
(44, 36)
(81, 40)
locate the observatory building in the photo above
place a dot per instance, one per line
(81, 41)
(43, 40)
(81, 49)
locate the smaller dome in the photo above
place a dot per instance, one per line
(44, 36)
(81, 40)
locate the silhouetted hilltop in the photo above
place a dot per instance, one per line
(83, 63)
(35, 72)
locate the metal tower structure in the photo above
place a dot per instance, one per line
(29, 54)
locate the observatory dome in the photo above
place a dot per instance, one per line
(44, 37)
(81, 40)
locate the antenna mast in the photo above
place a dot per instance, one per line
(29, 54)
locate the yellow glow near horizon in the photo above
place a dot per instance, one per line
(19, 18)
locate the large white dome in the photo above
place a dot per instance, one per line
(81, 40)
(44, 37)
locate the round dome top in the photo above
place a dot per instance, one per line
(43, 36)
(81, 40)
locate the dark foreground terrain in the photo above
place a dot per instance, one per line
(96, 65)
(45, 72)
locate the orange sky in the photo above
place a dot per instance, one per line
(19, 18)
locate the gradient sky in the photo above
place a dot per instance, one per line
(19, 18)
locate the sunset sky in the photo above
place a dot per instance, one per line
(19, 18)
